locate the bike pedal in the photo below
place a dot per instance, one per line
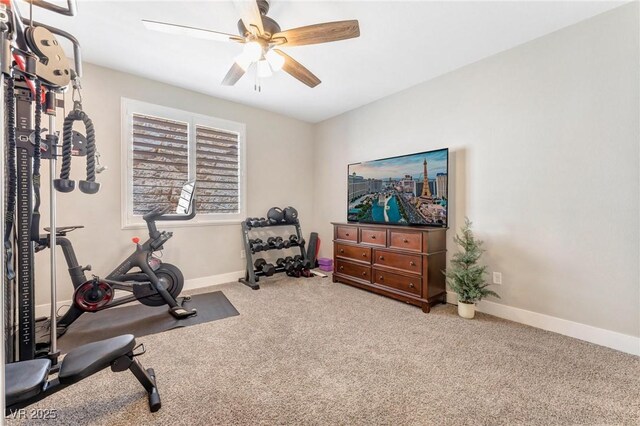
(180, 312)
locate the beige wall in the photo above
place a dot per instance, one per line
(279, 157)
(544, 160)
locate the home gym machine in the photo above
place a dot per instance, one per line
(34, 72)
(295, 266)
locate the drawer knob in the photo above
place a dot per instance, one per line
(341, 268)
(347, 234)
(381, 278)
(381, 257)
(364, 254)
(341, 250)
(364, 273)
(404, 241)
(411, 285)
(412, 263)
(373, 237)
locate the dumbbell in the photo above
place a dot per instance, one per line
(257, 245)
(266, 268)
(275, 215)
(303, 262)
(293, 240)
(280, 262)
(305, 265)
(256, 222)
(298, 263)
(287, 264)
(291, 270)
(290, 215)
(276, 242)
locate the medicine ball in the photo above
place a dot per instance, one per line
(275, 215)
(290, 215)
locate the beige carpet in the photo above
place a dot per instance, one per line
(309, 351)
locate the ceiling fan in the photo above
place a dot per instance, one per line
(261, 36)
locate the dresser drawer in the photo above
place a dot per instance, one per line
(405, 240)
(400, 282)
(374, 237)
(360, 254)
(406, 262)
(360, 272)
(348, 233)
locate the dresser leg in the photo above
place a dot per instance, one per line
(333, 278)
(426, 307)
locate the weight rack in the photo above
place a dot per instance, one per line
(252, 276)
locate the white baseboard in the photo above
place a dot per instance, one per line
(44, 310)
(202, 282)
(599, 336)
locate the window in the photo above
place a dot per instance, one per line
(164, 148)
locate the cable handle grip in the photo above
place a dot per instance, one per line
(64, 184)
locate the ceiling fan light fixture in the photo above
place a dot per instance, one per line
(252, 50)
(276, 61)
(264, 70)
(259, 33)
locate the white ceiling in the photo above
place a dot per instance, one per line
(401, 44)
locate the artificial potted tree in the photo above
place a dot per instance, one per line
(465, 276)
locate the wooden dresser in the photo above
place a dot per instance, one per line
(401, 262)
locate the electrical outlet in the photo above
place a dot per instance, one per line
(243, 254)
(497, 278)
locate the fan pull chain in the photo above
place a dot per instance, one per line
(257, 86)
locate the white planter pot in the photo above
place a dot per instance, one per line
(466, 310)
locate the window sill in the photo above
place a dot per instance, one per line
(183, 224)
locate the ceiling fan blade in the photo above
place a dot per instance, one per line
(250, 15)
(190, 31)
(235, 73)
(318, 33)
(297, 70)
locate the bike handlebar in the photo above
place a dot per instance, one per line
(160, 214)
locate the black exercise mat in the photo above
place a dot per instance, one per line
(141, 320)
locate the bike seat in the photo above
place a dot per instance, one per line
(88, 359)
(25, 379)
(61, 231)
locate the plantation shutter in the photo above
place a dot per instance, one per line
(217, 171)
(160, 162)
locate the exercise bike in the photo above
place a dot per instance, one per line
(154, 283)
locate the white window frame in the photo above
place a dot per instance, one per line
(132, 106)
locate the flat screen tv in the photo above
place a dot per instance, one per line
(406, 190)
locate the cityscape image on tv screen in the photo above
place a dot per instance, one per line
(406, 190)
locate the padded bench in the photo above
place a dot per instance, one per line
(24, 380)
(88, 359)
(27, 382)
